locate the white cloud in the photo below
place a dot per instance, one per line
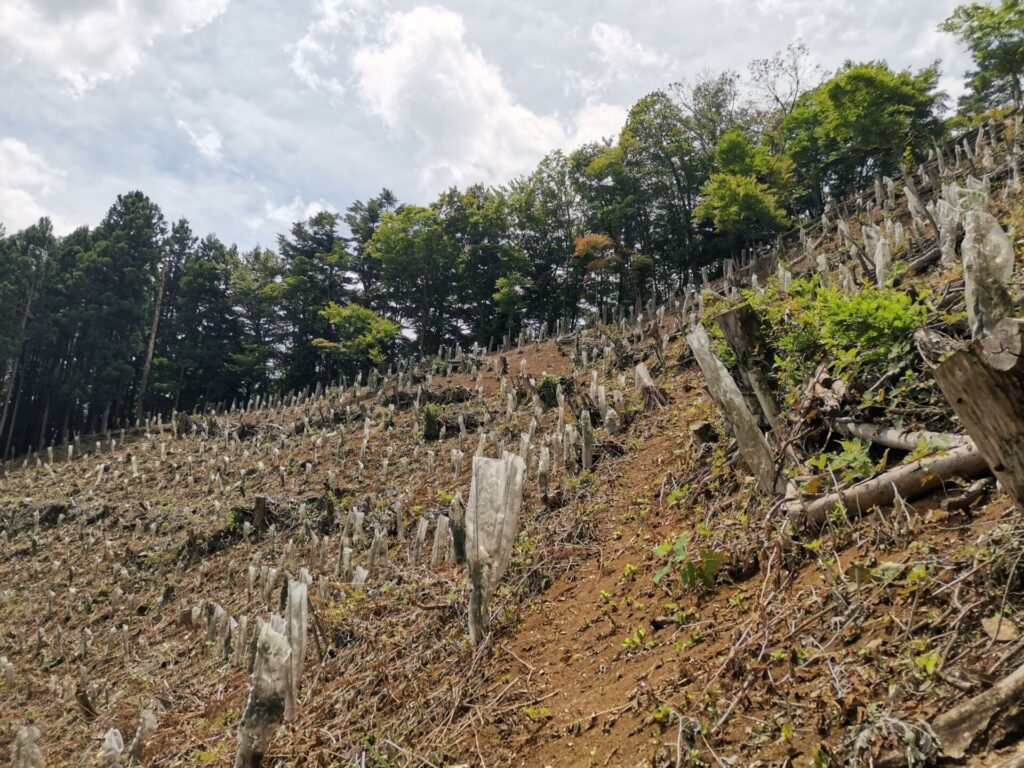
(618, 59)
(206, 140)
(286, 214)
(475, 91)
(596, 121)
(24, 178)
(315, 57)
(93, 42)
(616, 47)
(430, 86)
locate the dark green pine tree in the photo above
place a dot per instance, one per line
(362, 220)
(208, 327)
(316, 272)
(116, 277)
(256, 292)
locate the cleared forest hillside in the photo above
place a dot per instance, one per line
(704, 570)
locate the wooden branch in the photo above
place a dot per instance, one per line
(902, 440)
(968, 496)
(959, 728)
(909, 480)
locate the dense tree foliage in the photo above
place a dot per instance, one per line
(864, 121)
(137, 315)
(994, 35)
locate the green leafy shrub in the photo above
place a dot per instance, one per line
(864, 335)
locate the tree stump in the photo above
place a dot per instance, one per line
(985, 385)
(753, 447)
(260, 513)
(742, 329)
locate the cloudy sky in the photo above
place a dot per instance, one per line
(244, 115)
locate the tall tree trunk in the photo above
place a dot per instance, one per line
(14, 418)
(42, 426)
(17, 358)
(64, 433)
(148, 364)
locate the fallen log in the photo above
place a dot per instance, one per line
(924, 262)
(961, 727)
(909, 480)
(900, 439)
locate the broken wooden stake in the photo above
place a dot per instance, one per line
(742, 330)
(753, 447)
(985, 385)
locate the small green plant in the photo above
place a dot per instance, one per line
(698, 571)
(927, 664)
(662, 714)
(629, 572)
(849, 464)
(638, 641)
(677, 496)
(926, 448)
(576, 483)
(864, 335)
(536, 713)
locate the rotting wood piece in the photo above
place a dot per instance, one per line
(984, 383)
(909, 480)
(960, 729)
(653, 397)
(969, 496)
(933, 345)
(260, 513)
(703, 432)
